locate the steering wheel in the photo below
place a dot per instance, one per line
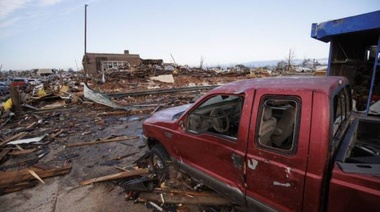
(219, 120)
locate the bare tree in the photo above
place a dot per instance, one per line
(173, 59)
(201, 62)
(289, 59)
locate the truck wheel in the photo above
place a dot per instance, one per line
(160, 158)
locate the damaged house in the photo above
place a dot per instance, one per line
(94, 62)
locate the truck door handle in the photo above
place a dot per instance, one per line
(237, 160)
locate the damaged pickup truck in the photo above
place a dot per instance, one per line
(275, 144)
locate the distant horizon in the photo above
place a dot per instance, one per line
(247, 64)
(50, 33)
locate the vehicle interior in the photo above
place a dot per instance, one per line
(277, 124)
(218, 115)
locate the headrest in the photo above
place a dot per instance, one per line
(267, 113)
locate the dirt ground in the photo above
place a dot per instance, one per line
(63, 193)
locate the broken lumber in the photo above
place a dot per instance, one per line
(22, 152)
(124, 138)
(13, 177)
(124, 156)
(15, 96)
(186, 192)
(161, 91)
(183, 199)
(14, 137)
(117, 176)
(3, 153)
(114, 113)
(17, 187)
(55, 134)
(35, 175)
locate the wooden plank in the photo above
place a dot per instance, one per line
(17, 187)
(12, 177)
(114, 113)
(124, 156)
(15, 96)
(117, 176)
(22, 152)
(3, 153)
(35, 175)
(124, 138)
(14, 137)
(55, 134)
(187, 192)
(183, 199)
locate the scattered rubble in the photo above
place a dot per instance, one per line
(92, 125)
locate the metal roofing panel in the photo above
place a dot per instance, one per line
(326, 30)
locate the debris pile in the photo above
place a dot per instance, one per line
(82, 128)
(145, 183)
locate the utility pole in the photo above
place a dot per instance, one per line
(85, 41)
(85, 29)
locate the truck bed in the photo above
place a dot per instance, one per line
(355, 180)
(360, 149)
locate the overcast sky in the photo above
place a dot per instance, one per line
(50, 33)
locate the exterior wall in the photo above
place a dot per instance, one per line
(44, 72)
(93, 63)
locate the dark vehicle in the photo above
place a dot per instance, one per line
(4, 89)
(275, 144)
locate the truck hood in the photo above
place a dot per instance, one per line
(169, 114)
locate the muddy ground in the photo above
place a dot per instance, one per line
(80, 123)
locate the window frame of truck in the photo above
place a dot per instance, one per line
(295, 128)
(215, 159)
(233, 100)
(272, 172)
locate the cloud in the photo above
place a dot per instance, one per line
(8, 6)
(8, 22)
(48, 2)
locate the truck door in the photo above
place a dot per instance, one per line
(278, 150)
(212, 146)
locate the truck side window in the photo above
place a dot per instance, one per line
(278, 123)
(219, 115)
(342, 107)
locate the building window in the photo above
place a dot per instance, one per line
(113, 65)
(278, 123)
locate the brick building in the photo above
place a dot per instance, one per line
(95, 62)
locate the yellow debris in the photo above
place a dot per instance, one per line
(41, 92)
(8, 104)
(64, 89)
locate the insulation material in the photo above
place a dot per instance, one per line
(101, 98)
(375, 108)
(168, 78)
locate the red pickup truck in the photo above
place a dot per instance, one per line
(275, 144)
(17, 82)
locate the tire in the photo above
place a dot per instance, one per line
(160, 162)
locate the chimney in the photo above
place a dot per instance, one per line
(126, 51)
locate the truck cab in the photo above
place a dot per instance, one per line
(268, 144)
